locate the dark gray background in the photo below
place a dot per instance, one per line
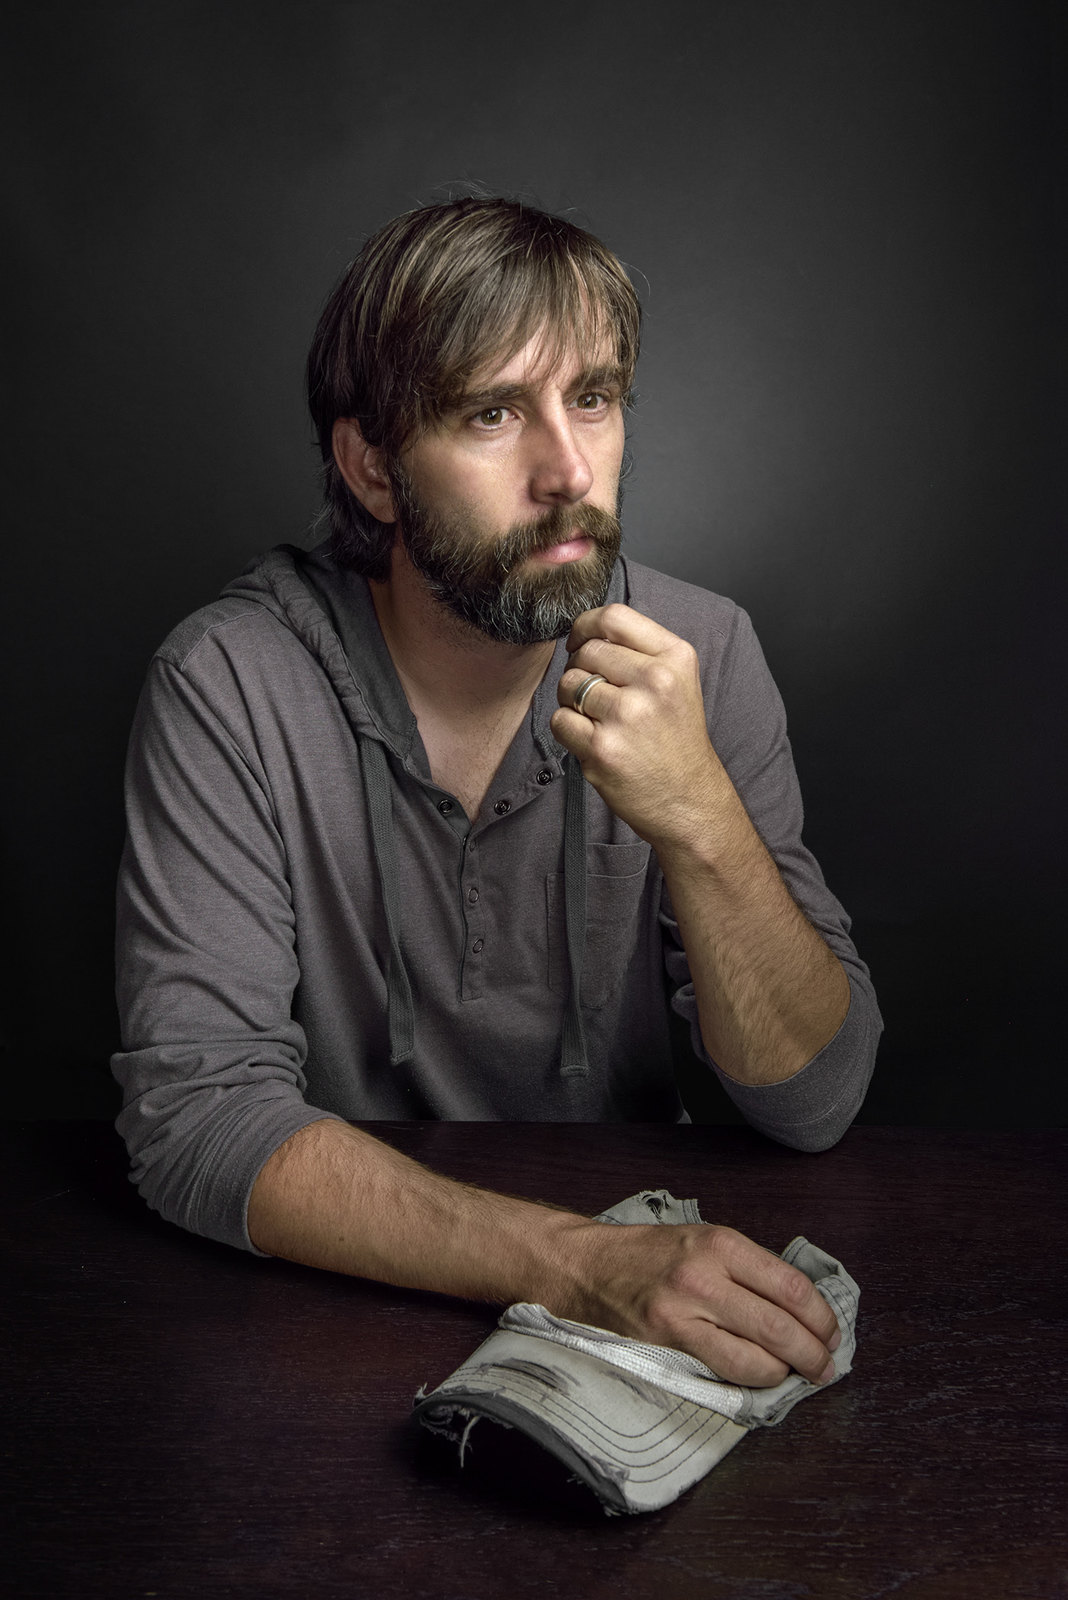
(839, 217)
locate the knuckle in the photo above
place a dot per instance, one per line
(659, 678)
(684, 652)
(727, 1244)
(774, 1327)
(702, 1263)
(764, 1371)
(688, 1279)
(795, 1289)
(608, 747)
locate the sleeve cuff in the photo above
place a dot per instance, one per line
(812, 1110)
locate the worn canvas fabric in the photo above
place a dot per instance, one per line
(638, 1423)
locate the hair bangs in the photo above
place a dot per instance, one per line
(550, 303)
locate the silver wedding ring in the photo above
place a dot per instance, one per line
(583, 690)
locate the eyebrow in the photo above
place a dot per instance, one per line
(604, 377)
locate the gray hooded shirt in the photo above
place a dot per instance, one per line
(308, 925)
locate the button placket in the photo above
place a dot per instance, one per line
(474, 922)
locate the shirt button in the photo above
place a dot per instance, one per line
(472, 895)
(446, 807)
(502, 806)
(477, 946)
(545, 776)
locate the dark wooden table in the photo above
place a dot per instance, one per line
(185, 1420)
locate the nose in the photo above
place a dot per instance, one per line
(560, 473)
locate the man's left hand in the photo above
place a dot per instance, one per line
(641, 737)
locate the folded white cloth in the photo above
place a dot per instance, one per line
(637, 1422)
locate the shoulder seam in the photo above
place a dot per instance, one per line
(179, 660)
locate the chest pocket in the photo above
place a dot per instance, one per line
(615, 882)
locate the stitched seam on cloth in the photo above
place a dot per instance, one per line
(567, 1413)
(665, 1369)
(843, 1303)
(513, 1380)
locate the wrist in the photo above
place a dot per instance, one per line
(704, 826)
(596, 1272)
(551, 1259)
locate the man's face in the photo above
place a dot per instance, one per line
(509, 506)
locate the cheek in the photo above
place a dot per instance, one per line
(457, 483)
(611, 443)
(607, 464)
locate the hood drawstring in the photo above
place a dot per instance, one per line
(378, 791)
(574, 1062)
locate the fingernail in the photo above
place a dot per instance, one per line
(835, 1340)
(827, 1374)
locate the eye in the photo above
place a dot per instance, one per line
(490, 417)
(592, 401)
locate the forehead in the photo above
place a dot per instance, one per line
(546, 361)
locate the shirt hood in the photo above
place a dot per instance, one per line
(332, 613)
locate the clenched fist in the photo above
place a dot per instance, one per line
(640, 736)
(709, 1291)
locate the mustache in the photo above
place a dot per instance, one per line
(561, 523)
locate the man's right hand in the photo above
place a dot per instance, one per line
(704, 1289)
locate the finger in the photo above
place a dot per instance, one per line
(616, 662)
(771, 1304)
(604, 694)
(769, 1278)
(759, 1338)
(620, 624)
(775, 1281)
(573, 730)
(733, 1359)
(779, 1335)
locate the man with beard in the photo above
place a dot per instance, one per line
(419, 820)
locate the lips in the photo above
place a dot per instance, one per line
(567, 550)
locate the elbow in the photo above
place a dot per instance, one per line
(815, 1135)
(195, 1152)
(813, 1140)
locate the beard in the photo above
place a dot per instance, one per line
(481, 581)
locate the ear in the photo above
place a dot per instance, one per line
(361, 465)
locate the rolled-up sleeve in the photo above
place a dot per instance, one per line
(211, 1065)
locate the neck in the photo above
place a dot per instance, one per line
(446, 666)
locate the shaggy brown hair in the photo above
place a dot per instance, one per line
(433, 298)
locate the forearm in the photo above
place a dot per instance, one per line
(333, 1196)
(770, 993)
